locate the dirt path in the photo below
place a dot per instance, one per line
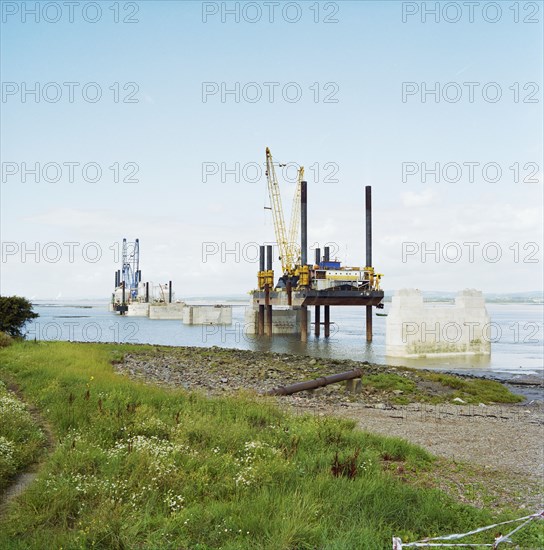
(25, 478)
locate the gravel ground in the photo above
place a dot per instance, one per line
(504, 440)
(505, 437)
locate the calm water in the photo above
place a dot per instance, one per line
(517, 335)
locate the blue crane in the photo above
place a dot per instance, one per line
(131, 274)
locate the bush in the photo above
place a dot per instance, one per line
(5, 340)
(15, 312)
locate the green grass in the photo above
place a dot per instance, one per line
(448, 387)
(389, 382)
(137, 466)
(21, 440)
(476, 390)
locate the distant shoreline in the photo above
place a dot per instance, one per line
(243, 300)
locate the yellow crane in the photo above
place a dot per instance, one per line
(288, 245)
(294, 227)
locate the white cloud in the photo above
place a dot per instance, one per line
(424, 198)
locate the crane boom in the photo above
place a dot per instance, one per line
(131, 266)
(294, 248)
(277, 211)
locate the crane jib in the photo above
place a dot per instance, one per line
(287, 242)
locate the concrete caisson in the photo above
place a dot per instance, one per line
(284, 321)
(138, 309)
(416, 329)
(167, 311)
(207, 315)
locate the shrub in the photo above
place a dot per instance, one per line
(5, 340)
(15, 312)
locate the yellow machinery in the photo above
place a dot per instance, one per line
(293, 255)
(289, 249)
(265, 278)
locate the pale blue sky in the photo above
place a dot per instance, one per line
(369, 133)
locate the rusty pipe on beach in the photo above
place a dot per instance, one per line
(316, 383)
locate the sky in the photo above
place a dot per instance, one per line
(150, 120)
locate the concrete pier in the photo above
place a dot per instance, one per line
(138, 309)
(415, 329)
(207, 315)
(285, 321)
(166, 311)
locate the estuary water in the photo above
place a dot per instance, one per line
(517, 335)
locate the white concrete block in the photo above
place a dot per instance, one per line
(137, 309)
(207, 315)
(167, 311)
(284, 321)
(415, 329)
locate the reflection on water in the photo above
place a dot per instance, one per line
(517, 337)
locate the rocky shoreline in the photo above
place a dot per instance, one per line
(216, 371)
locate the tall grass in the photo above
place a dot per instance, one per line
(138, 466)
(21, 440)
